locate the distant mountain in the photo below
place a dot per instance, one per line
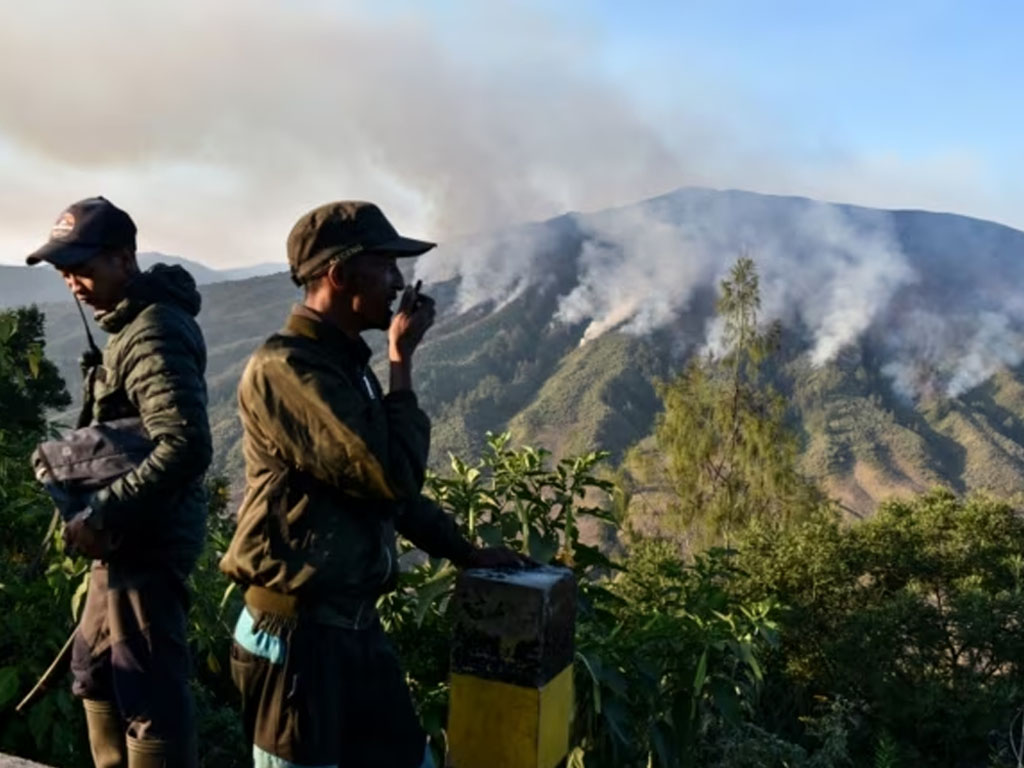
(244, 273)
(902, 348)
(42, 284)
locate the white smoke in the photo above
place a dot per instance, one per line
(217, 124)
(639, 270)
(847, 272)
(494, 268)
(839, 273)
(636, 273)
(951, 353)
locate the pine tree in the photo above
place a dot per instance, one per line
(730, 455)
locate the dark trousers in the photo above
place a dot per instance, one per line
(131, 649)
(317, 695)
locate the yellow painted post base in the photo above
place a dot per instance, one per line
(500, 725)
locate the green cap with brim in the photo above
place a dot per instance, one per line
(340, 230)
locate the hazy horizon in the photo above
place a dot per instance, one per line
(463, 118)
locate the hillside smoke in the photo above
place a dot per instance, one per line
(953, 353)
(495, 268)
(636, 273)
(835, 274)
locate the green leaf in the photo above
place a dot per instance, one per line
(615, 680)
(8, 685)
(701, 674)
(490, 534)
(748, 656)
(34, 358)
(76, 599)
(723, 693)
(432, 589)
(587, 556)
(660, 740)
(41, 720)
(616, 715)
(543, 549)
(592, 665)
(227, 595)
(8, 325)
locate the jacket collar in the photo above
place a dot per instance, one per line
(160, 284)
(309, 323)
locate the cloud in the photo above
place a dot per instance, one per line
(217, 124)
(220, 123)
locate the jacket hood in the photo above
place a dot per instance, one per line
(161, 283)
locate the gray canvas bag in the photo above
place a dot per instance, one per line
(93, 455)
(87, 459)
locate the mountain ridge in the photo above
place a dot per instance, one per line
(42, 284)
(901, 357)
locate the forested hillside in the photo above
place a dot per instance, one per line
(804, 642)
(901, 334)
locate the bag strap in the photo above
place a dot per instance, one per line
(89, 362)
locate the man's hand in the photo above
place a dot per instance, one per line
(85, 540)
(499, 557)
(414, 316)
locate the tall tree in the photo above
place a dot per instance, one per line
(730, 454)
(29, 386)
(29, 383)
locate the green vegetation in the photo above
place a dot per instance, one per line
(730, 455)
(808, 643)
(913, 616)
(516, 370)
(39, 585)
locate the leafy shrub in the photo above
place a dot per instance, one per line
(40, 587)
(665, 655)
(914, 613)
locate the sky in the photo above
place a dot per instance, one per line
(217, 124)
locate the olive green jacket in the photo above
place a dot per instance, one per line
(333, 468)
(153, 367)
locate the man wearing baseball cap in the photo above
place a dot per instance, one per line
(334, 467)
(144, 531)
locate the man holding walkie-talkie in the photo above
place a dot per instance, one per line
(144, 529)
(334, 467)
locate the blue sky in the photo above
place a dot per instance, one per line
(910, 77)
(216, 124)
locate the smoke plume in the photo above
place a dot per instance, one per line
(932, 292)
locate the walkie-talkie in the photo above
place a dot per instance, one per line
(89, 362)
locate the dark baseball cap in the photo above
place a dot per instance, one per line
(338, 231)
(83, 230)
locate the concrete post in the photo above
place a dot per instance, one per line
(511, 683)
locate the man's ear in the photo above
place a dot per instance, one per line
(338, 277)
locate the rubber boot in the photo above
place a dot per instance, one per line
(156, 753)
(106, 734)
